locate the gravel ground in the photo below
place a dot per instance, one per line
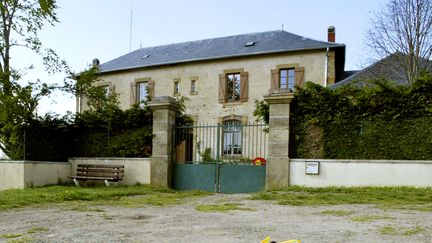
(183, 223)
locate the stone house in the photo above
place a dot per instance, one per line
(222, 77)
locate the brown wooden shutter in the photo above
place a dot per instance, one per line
(222, 88)
(133, 95)
(244, 86)
(274, 79)
(151, 88)
(299, 76)
(111, 88)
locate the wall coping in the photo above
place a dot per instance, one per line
(30, 162)
(107, 158)
(365, 161)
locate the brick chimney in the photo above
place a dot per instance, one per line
(331, 34)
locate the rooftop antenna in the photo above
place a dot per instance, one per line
(282, 27)
(130, 27)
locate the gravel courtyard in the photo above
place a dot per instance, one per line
(184, 223)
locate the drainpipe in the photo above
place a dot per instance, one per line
(326, 67)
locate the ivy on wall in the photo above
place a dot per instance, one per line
(376, 121)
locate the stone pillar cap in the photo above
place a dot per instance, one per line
(162, 103)
(279, 97)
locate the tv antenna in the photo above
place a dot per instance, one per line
(130, 27)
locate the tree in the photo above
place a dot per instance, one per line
(404, 29)
(20, 22)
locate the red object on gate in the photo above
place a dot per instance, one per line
(259, 161)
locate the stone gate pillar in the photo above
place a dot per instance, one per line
(277, 174)
(164, 109)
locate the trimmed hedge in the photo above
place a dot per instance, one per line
(380, 121)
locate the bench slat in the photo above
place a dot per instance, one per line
(99, 172)
(96, 178)
(100, 166)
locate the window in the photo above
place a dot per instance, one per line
(176, 87)
(105, 90)
(233, 86)
(287, 78)
(142, 91)
(193, 86)
(232, 138)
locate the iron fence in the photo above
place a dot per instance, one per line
(230, 142)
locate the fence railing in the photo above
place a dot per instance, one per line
(230, 142)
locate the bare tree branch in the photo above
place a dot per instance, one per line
(404, 28)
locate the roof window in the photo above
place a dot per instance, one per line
(249, 43)
(145, 56)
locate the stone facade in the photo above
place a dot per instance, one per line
(203, 104)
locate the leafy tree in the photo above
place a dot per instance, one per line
(20, 22)
(83, 85)
(404, 29)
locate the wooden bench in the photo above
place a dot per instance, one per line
(107, 173)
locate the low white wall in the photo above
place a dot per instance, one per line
(362, 173)
(22, 174)
(137, 170)
(37, 173)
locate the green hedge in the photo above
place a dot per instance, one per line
(379, 121)
(103, 133)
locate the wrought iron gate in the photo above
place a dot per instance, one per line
(220, 157)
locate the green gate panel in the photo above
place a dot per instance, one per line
(194, 177)
(242, 178)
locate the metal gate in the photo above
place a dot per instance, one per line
(220, 157)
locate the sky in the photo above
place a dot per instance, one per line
(89, 29)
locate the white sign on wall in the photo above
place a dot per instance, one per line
(312, 168)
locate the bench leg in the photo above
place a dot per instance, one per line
(107, 183)
(76, 182)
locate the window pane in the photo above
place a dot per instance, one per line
(193, 86)
(142, 91)
(291, 79)
(176, 87)
(283, 79)
(233, 87)
(232, 142)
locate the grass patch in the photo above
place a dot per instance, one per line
(10, 236)
(387, 197)
(369, 218)
(388, 230)
(416, 230)
(25, 239)
(37, 230)
(96, 195)
(338, 213)
(226, 207)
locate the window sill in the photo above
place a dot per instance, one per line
(235, 103)
(193, 93)
(176, 94)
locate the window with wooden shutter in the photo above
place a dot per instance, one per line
(222, 88)
(299, 76)
(151, 88)
(133, 93)
(244, 86)
(274, 79)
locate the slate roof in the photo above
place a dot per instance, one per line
(388, 68)
(216, 48)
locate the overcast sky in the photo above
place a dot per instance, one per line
(100, 29)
